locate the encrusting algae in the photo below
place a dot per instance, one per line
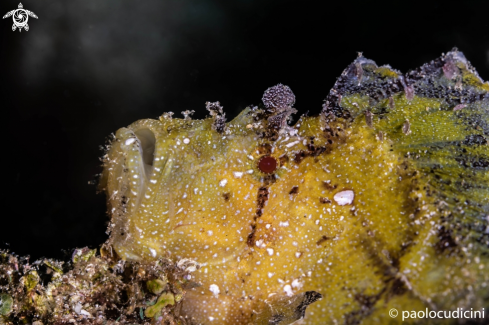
(380, 202)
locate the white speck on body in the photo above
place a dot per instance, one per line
(130, 141)
(223, 182)
(153, 252)
(214, 288)
(186, 141)
(296, 284)
(344, 197)
(238, 174)
(270, 251)
(291, 144)
(284, 224)
(288, 290)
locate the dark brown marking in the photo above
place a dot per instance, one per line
(294, 190)
(262, 197)
(324, 200)
(446, 241)
(264, 149)
(283, 159)
(299, 156)
(315, 151)
(260, 202)
(328, 186)
(226, 196)
(322, 240)
(251, 237)
(398, 287)
(312, 151)
(367, 303)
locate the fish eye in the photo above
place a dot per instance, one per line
(267, 164)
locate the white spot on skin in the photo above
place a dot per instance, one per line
(288, 290)
(291, 144)
(223, 182)
(214, 288)
(238, 174)
(284, 224)
(153, 252)
(344, 197)
(130, 141)
(186, 141)
(270, 251)
(296, 284)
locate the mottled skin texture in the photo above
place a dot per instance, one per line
(412, 148)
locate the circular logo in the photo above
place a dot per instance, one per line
(20, 18)
(393, 313)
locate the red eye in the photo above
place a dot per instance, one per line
(267, 164)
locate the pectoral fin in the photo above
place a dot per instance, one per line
(285, 310)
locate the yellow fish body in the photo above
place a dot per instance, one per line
(380, 202)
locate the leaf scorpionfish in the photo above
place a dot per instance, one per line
(380, 202)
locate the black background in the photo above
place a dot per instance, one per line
(89, 67)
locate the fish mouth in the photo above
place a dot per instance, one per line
(129, 167)
(147, 145)
(129, 164)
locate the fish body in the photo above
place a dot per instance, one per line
(380, 202)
